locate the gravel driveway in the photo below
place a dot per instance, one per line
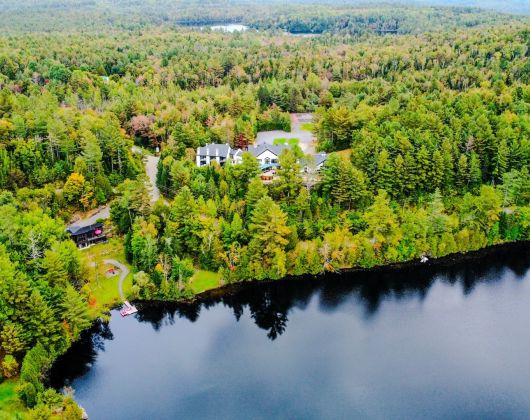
(307, 139)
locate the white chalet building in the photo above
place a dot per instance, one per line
(267, 155)
(221, 153)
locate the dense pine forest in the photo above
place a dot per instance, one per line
(423, 114)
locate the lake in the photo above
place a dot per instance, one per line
(232, 27)
(437, 341)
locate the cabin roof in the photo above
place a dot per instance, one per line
(76, 230)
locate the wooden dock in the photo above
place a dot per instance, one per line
(128, 309)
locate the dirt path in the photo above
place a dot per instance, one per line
(124, 274)
(151, 168)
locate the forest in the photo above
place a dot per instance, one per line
(424, 115)
(351, 17)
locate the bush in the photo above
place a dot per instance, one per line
(27, 393)
(71, 410)
(50, 398)
(10, 367)
(40, 412)
(34, 366)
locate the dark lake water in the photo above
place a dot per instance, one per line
(450, 340)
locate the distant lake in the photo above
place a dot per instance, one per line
(233, 27)
(443, 341)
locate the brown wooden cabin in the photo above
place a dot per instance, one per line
(84, 236)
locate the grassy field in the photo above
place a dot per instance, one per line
(282, 140)
(10, 405)
(307, 126)
(204, 280)
(103, 290)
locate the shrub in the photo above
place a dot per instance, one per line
(40, 412)
(27, 393)
(50, 398)
(10, 367)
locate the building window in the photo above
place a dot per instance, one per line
(267, 161)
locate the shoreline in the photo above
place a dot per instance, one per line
(226, 291)
(433, 263)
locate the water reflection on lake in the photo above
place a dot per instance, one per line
(232, 27)
(449, 341)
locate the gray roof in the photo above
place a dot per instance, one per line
(319, 159)
(80, 230)
(257, 150)
(213, 150)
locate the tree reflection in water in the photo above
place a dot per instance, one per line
(78, 360)
(269, 303)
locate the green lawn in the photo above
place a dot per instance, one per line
(307, 126)
(282, 140)
(9, 402)
(204, 280)
(293, 142)
(104, 290)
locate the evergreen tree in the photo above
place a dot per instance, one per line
(462, 176)
(384, 173)
(412, 175)
(501, 160)
(240, 175)
(12, 339)
(289, 182)
(256, 191)
(475, 173)
(40, 321)
(54, 271)
(400, 176)
(75, 313)
(438, 170)
(269, 237)
(424, 166)
(383, 227)
(448, 165)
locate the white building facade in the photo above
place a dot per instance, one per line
(267, 155)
